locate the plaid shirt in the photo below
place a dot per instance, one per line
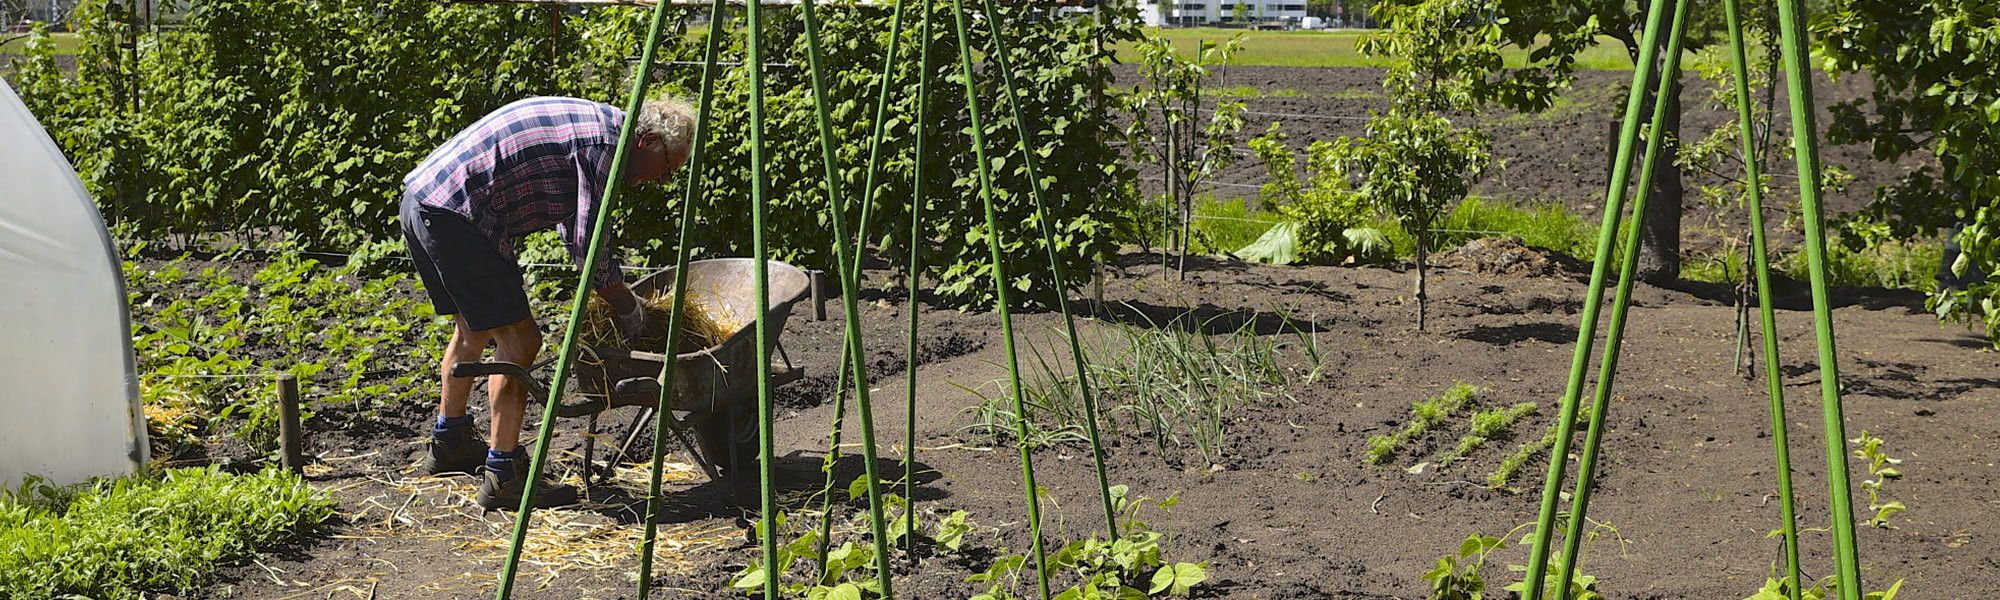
(532, 164)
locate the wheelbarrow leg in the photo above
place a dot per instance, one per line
(589, 454)
(706, 463)
(631, 435)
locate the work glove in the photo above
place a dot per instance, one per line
(635, 323)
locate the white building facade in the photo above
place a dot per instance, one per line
(1196, 13)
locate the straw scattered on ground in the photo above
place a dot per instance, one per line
(587, 536)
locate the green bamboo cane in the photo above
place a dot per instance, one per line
(565, 354)
(1754, 184)
(860, 244)
(766, 453)
(916, 263)
(1000, 285)
(1805, 145)
(849, 288)
(1027, 131)
(1586, 335)
(869, 195)
(832, 454)
(1614, 337)
(697, 161)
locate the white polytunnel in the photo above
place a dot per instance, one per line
(69, 398)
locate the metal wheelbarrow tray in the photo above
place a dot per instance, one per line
(720, 378)
(715, 387)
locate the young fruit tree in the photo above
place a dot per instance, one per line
(1189, 147)
(1470, 35)
(1415, 163)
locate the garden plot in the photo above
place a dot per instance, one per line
(1286, 503)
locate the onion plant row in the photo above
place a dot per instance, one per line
(1179, 385)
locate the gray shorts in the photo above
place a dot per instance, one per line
(462, 271)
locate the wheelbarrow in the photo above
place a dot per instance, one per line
(714, 389)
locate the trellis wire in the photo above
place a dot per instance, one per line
(565, 354)
(1039, 188)
(1805, 144)
(697, 161)
(1773, 379)
(850, 309)
(1621, 174)
(1607, 371)
(1000, 286)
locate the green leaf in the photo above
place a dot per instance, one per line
(1177, 579)
(845, 591)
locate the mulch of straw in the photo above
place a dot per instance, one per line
(560, 540)
(700, 328)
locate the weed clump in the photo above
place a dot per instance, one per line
(1505, 473)
(117, 539)
(1487, 425)
(1428, 414)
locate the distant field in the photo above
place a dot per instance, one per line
(1336, 49)
(16, 43)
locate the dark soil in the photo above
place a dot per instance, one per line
(1291, 511)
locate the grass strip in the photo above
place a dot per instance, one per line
(1336, 48)
(1428, 414)
(118, 539)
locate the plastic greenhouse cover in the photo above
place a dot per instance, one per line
(69, 403)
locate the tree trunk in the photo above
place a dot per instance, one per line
(1660, 240)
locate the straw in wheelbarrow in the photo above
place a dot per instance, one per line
(700, 329)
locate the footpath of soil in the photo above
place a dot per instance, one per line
(1291, 512)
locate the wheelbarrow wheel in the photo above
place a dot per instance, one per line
(729, 441)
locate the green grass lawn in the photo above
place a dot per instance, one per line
(16, 43)
(1336, 49)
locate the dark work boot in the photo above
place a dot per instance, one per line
(454, 449)
(502, 480)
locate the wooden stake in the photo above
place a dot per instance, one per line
(289, 434)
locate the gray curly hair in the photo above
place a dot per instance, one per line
(672, 119)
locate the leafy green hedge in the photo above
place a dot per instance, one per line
(116, 539)
(304, 116)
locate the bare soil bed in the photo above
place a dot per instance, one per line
(1291, 511)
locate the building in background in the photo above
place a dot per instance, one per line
(1197, 13)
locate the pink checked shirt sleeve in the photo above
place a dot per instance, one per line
(593, 170)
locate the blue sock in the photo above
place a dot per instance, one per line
(448, 424)
(502, 463)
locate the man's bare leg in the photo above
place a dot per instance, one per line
(454, 445)
(516, 343)
(466, 346)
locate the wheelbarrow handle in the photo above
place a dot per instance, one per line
(475, 369)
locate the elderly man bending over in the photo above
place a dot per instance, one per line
(531, 165)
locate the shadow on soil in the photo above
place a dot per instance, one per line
(1793, 294)
(799, 480)
(1206, 318)
(1508, 335)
